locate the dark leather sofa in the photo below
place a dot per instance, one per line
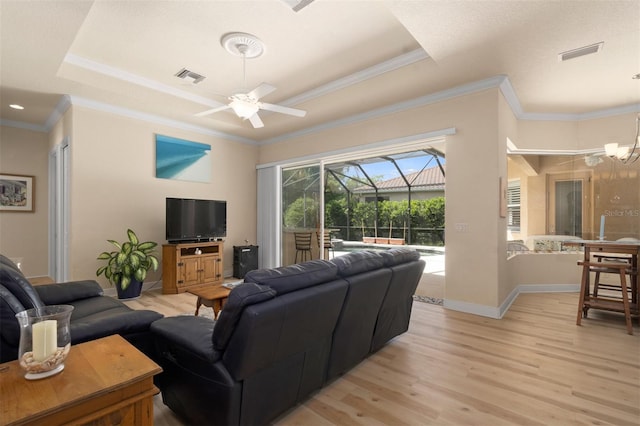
(283, 334)
(94, 315)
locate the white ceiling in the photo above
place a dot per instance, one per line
(334, 58)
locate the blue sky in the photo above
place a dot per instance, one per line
(409, 165)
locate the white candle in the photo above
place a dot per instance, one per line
(45, 339)
(602, 228)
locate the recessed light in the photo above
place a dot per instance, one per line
(16, 106)
(636, 76)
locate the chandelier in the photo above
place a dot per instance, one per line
(625, 154)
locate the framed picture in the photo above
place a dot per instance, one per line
(182, 160)
(16, 193)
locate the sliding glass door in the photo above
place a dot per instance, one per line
(302, 205)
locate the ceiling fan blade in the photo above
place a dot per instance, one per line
(256, 122)
(282, 109)
(211, 111)
(263, 90)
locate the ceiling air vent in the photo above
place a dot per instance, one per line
(581, 51)
(297, 5)
(185, 73)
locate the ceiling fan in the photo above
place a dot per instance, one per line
(247, 104)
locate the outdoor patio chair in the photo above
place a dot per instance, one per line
(303, 245)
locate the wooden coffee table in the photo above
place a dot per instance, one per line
(213, 296)
(103, 380)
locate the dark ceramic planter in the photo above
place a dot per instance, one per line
(131, 292)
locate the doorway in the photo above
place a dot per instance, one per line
(569, 203)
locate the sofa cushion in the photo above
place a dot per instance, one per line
(240, 297)
(103, 316)
(358, 262)
(63, 293)
(398, 256)
(294, 277)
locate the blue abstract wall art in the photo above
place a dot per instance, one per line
(182, 160)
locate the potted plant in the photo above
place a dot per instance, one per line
(127, 266)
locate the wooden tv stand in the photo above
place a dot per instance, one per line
(191, 265)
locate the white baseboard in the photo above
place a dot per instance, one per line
(498, 312)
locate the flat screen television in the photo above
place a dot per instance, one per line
(190, 220)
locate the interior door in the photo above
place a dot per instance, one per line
(569, 201)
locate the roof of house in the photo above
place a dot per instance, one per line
(431, 179)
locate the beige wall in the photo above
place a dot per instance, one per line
(476, 263)
(544, 268)
(575, 134)
(474, 154)
(507, 130)
(114, 186)
(25, 235)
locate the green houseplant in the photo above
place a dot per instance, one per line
(127, 266)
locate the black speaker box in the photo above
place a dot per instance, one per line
(245, 259)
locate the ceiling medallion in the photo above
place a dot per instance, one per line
(242, 44)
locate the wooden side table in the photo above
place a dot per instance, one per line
(105, 381)
(213, 296)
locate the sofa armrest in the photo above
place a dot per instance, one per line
(61, 293)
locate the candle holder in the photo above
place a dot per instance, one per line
(45, 340)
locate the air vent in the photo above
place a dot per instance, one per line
(581, 51)
(185, 74)
(297, 5)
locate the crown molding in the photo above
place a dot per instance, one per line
(151, 118)
(378, 148)
(500, 81)
(23, 125)
(358, 77)
(123, 75)
(57, 113)
(391, 109)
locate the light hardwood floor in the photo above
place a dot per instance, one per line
(533, 367)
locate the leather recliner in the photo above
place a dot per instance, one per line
(283, 334)
(94, 315)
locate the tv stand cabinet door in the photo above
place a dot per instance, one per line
(211, 273)
(189, 272)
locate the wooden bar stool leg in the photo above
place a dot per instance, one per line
(625, 301)
(583, 293)
(596, 284)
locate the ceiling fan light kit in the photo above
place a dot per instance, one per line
(244, 109)
(625, 154)
(246, 105)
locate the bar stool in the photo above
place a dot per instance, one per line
(303, 245)
(324, 243)
(621, 269)
(631, 271)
